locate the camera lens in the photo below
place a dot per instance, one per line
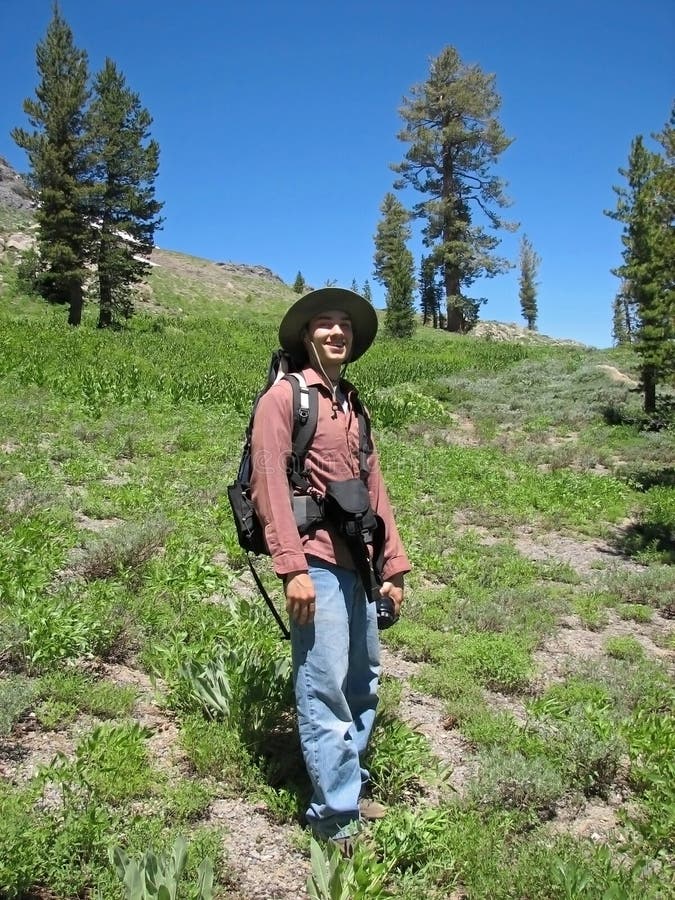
(386, 615)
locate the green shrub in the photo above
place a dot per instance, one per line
(499, 661)
(399, 760)
(590, 607)
(624, 647)
(73, 623)
(650, 735)
(16, 695)
(64, 694)
(635, 612)
(110, 765)
(216, 750)
(511, 781)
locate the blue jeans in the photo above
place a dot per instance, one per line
(336, 664)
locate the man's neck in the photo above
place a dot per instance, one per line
(332, 373)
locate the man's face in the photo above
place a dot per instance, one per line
(332, 335)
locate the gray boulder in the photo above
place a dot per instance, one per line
(14, 192)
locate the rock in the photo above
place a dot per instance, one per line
(615, 375)
(19, 242)
(503, 331)
(244, 269)
(14, 192)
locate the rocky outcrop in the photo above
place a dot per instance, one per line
(244, 269)
(502, 331)
(14, 192)
(18, 242)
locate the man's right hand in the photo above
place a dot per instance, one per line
(300, 597)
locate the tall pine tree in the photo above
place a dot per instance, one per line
(399, 319)
(58, 156)
(394, 267)
(529, 267)
(646, 207)
(299, 285)
(124, 207)
(454, 140)
(393, 232)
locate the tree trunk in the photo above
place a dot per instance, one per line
(456, 321)
(451, 276)
(105, 308)
(649, 388)
(76, 300)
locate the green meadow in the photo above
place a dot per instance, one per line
(536, 504)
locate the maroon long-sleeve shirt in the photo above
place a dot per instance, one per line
(333, 456)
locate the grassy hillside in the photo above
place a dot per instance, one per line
(144, 686)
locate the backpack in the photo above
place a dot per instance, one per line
(305, 406)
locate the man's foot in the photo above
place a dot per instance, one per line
(371, 810)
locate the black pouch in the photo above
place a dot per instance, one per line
(307, 511)
(347, 505)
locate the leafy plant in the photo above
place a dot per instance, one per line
(157, 876)
(624, 647)
(399, 760)
(336, 878)
(110, 764)
(240, 685)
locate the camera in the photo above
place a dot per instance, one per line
(386, 613)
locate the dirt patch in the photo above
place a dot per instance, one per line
(588, 558)
(95, 525)
(573, 644)
(593, 819)
(427, 715)
(263, 862)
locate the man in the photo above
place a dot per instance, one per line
(334, 638)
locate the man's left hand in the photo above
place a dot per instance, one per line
(393, 588)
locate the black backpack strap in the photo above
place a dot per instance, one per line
(365, 439)
(305, 417)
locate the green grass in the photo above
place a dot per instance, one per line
(116, 545)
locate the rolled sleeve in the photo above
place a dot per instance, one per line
(395, 560)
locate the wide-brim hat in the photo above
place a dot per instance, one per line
(360, 311)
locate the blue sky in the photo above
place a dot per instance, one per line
(277, 123)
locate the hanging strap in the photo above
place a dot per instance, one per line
(268, 600)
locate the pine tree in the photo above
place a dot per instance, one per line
(430, 292)
(367, 292)
(622, 326)
(646, 207)
(354, 286)
(529, 267)
(399, 320)
(455, 139)
(299, 284)
(393, 232)
(58, 157)
(124, 207)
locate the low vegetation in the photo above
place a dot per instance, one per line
(142, 679)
